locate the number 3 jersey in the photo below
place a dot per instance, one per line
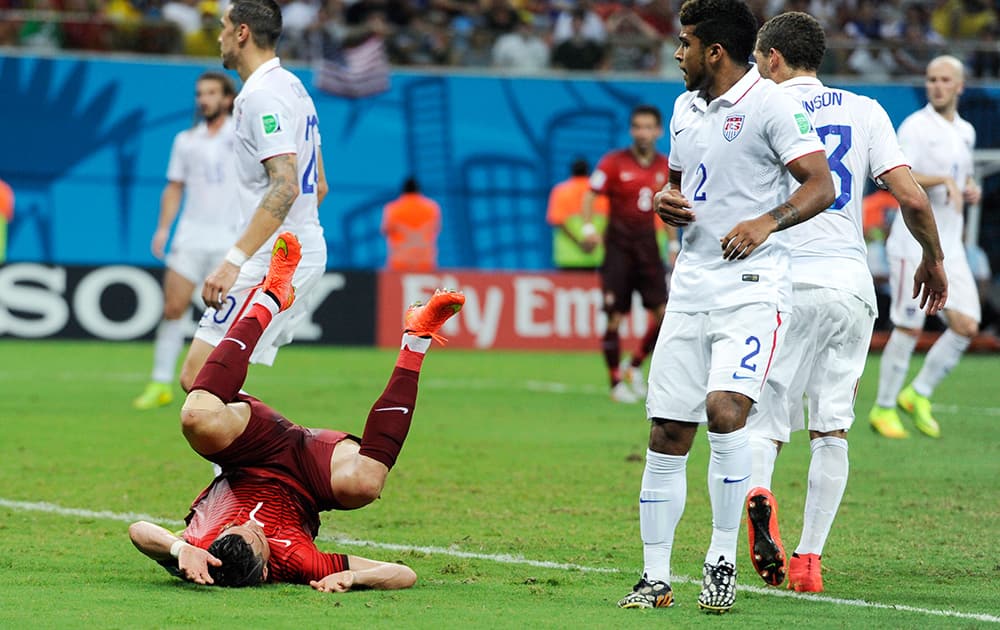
(733, 153)
(276, 116)
(829, 249)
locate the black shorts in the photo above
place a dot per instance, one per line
(635, 266)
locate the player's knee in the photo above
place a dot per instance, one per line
(407, 576)
(966, 327)
(726, 411)
(174, 309)
(187, 377)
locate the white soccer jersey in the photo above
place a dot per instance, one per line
(829, 249)
(733, 154)
(275, 116)
(204, 164)
(935, 146)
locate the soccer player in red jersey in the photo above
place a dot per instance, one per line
(630, 177)
(257, 521)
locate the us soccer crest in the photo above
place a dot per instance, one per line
(732, 127)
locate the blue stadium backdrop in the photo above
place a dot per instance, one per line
(87, 141)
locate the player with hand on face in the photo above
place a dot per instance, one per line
(257, 520)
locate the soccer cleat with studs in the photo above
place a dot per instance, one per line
(766, 551)
(155, 395)
(885, 421)
(425, 320)
(718, 587)
(920, 408)
(648, 594)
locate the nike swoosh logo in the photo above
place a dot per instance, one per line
(654, 500)
(242, 345)
(403, 409)
(737, 377)
(728, 480)
(287, 543)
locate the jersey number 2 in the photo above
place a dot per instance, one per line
(311, 174)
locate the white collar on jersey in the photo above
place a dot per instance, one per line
(803, 80)
(734, 94)
(261, 70)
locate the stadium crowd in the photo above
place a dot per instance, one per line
(874, 39)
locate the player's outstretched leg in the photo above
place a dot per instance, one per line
(766, 551)
(226, 368)
(390, 417)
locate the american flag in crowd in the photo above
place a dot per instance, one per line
(354, 71)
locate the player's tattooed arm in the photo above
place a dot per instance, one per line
(785, 215)
(282, 172)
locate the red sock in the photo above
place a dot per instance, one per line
(647, 344)
(389, 419)
(225, 370)
(612, 347)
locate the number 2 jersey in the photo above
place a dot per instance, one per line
(733, 154)
(276, 116)
(829, 249)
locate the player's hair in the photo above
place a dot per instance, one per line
(797, 36)
(228, 87)
(579, 167)
(729, 23)
(411, 185)
(263, 17)
(649, 110)
(240, 565)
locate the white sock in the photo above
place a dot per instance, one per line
(729, 469)
(763, 452)
(661, 504)
(827, 480)
(167, 347)
(269, 303)
(415, 343)
(895, 363)
(943, 356)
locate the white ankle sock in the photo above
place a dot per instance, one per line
(763, 453)
(895, 363)
(943, 356)
(167, 347)
(416, 344)
(827, 479)
(729, 470)
(661, 504)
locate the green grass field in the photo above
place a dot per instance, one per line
(514, 500)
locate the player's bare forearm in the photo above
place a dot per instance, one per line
(170, 204)
(322, 187)
(282, 172)
(587, 206)
(151, 539)
(814, 195)
(916, 210)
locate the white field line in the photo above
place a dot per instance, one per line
(128, 517)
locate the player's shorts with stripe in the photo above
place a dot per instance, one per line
(215, 323)
(962, 293)
(722, 350)
(273, 446)
(635, 266)
(822, 357)
(194, 265)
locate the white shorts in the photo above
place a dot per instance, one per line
(215, 323)
(722, 350)
(822, 358)
(194, 265)
(963, 296)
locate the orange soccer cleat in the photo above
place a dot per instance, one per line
(425, 320)
(805, 575)
(766, 551)
(285, 259)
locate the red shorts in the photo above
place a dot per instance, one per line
(635, 266)
(273, 446)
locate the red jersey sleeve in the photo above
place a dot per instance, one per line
(606, 172)
(302, 562)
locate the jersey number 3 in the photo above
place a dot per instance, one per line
(835, 160)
